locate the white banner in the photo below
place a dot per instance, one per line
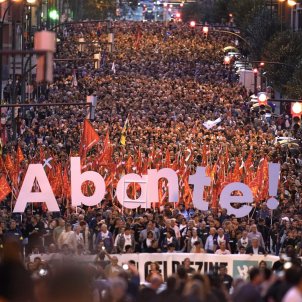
(237, 265)
(210, 124)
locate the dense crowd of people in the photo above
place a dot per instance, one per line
(112, 281)
(157, 87)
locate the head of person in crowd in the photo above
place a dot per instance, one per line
(256, 276)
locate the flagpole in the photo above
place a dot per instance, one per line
(11, 203)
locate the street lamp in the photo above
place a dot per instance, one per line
(291, 3)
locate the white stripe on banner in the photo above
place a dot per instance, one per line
(237, 265)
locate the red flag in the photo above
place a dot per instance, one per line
(66, 184)
(4, 188)
(128, 165)
(236, 173)
(42, 155)
(139, 162)
(20, 156)
(58, 180)
(187, 196)
(107, 140)
(168, 159)
(204, 156)
(215, 197)
(89, 138)
(9, 165)
(2, 165)
(213, 172)
(106, 156)
(145, 165)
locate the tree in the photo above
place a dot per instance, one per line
(244, 10)
(193, 11)
(259, 30)
(293, 87)
(221, 11)
(286, 48)
(99, 9)
(207, 11)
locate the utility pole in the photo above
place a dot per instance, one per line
(14, 94)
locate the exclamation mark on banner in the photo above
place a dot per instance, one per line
(273, 179)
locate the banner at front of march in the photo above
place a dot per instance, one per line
(237, 265)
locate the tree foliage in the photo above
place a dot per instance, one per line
(260, 30)
(221, 11)
(286, 48)
(294, 85)
(207, 11)
(245, 10)
(194, 11)
(99, 9)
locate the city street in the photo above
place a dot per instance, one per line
(150, 151)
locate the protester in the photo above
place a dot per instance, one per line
(155, 91)
(250, 291)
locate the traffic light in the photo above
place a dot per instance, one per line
(262, 102)
(205, 30)
(296, 112)
(53, 14)
(192, 24)
(227, 60)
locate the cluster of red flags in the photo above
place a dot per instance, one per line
(112, 170)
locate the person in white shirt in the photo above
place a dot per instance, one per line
(123, 239)
(255, 234)
(243, 241)
(68, 237)
(222, 249)
(79, 235)
(209, 246)
(175, 227)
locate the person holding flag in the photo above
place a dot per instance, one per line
(124, 132)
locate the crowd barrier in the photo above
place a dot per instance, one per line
(237, 265)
